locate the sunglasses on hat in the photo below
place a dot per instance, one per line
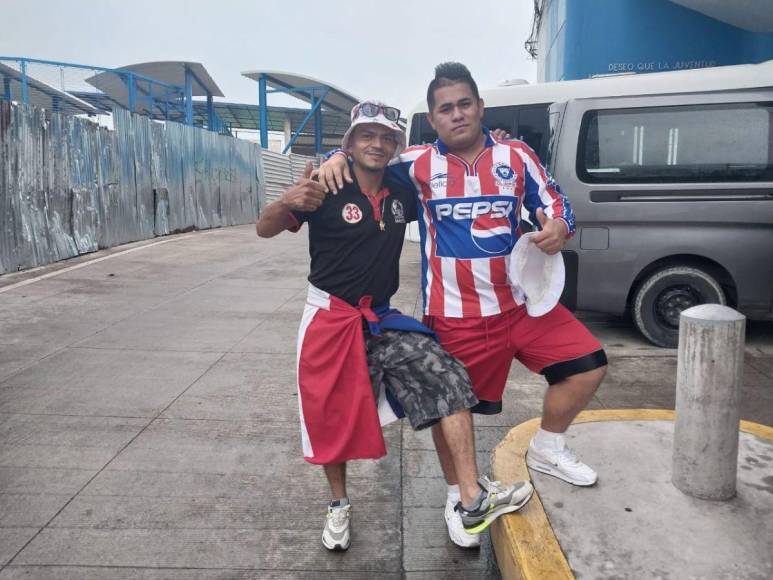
(373, 109)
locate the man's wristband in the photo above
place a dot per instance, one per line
(330, 154)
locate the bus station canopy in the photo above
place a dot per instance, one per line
(115, 87)
(336, 99)
(247, 116)
(41, 94)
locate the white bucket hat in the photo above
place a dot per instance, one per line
(537, 277)
(359, 118)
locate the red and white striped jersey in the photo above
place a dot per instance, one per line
(468, 220)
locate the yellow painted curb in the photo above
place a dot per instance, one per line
(524, 542)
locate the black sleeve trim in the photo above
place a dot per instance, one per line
(487, 408)
(557, 372)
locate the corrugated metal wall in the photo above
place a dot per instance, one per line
(280, 170)
(68, 187)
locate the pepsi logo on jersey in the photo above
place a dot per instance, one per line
(459, 210)
(493, 235)
(474, 227)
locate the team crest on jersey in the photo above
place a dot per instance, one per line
(398, 212)
(351, 213)
(504, 175)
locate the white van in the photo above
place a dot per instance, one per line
(670, 176)
(521, 108)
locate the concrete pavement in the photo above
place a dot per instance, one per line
(634, 523)
(148, 422)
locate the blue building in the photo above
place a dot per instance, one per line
(576, 39)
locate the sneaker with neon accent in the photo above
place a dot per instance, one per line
(337, 533)
(456, 528)
(561, 463)
(498, 500)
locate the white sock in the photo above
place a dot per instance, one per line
(549, 440)
(453, 493)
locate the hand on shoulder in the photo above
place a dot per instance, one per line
(334, 172)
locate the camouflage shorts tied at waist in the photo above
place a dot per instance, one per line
(428, 382)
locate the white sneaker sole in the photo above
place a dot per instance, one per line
(550, 469)
(465, 541)
(336, 547)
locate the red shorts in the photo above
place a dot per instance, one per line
(556, 345)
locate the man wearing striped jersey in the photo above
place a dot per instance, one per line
(471, 187)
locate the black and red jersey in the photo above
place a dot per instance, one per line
(355, 241)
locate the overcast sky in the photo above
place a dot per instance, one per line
(384, 50)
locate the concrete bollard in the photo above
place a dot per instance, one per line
(708, 383)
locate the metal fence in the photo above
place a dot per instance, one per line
(73, 88)
(280, 170)
(68, 186)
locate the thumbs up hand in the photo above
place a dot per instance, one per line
(307, 169)
(552, 235)
(306, 194)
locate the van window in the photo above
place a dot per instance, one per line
(553, 117)
(499, 118)
(693, 143)
(529, 124)
(421, 130)
(534, 130)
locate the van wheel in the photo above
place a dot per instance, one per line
(664, 294)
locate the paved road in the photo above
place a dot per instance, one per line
(148, 422)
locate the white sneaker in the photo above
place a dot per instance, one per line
(337, 533)
(456, 528)
(560, 463)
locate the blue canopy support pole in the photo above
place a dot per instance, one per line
(300, 128)
(263, 105)
(7, 88)
(318, 127)
(210, 113)
(132, 92)
(188, 96)
(173, 106)
(25, 93)
(316, 103)
(151, 102)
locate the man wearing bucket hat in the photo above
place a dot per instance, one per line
(355, 375)
(486, 304)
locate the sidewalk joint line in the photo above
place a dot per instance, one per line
(100, 470)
